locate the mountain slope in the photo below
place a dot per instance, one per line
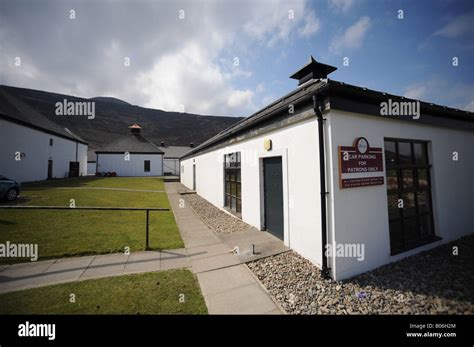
(113, 116)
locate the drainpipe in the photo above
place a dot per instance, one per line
(323, 193)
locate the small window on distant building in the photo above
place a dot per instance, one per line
(147, 166)
(50, 142)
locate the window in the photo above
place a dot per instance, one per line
(147, 166)
(410, 209)
(232, 182)
(50, 142)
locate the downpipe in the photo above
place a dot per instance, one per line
(322, 174)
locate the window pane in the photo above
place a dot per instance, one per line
(396, 237)
(233, 202)
(410, 228)
(233, 188)
(392, 179)
(393, 210)
(426, 226)
(409, 209)
(238, 176)
(422, 179)
(239, 205)
(227, 200)
(420, 153)
(238, 190)
(227, 187)
(407, 179)
(423, 202)
(404, 153)
(390, 153)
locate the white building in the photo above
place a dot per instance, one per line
(132, 155)
(33, 148)
(324, 168)
(171, 155)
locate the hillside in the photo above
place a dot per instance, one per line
(113, 116)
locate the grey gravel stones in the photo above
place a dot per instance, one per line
(216, 219)
(431, 282)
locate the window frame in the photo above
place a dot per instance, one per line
(411, 187)
(233, 182)
(145, 168)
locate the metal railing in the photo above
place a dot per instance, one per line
(148, 209)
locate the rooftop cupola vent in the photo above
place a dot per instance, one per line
(135, 128)
(312, 70)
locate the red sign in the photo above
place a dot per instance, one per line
(360, 165)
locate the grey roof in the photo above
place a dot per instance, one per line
(15, 110)
(132, 143)
(175, 151)
(91, 155)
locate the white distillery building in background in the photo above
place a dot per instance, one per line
(171, 158)
(329, 167)
(132, 155)
(33, 148)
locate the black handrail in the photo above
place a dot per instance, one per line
(148, 209)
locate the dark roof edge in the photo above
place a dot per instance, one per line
(35, 127)
(344, 89)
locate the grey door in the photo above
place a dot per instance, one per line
(194, 176)
(273, 196)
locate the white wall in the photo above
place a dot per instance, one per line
(171, 165)
(360, 215)
(297, 144)
(91, 168)
(133, 167)
(35, 145)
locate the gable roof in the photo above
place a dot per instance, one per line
(132, 143)
(17, 111)
(175, 152)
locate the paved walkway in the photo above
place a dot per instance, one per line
(42, 273)
(227, 285)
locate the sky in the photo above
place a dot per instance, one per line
(231, 58)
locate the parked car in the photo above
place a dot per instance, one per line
(9, 189)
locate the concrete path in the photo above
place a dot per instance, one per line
(42, 273)
(227, 285)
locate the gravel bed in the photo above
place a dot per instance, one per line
(216, 219)
(431, 282)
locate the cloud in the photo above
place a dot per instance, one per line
(341, 5)
(311, 25)
(469, 106)
(352, 37)
(441, 91)
(174, 61)
(457, 27)
(416, 91)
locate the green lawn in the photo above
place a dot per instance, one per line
(60, 233)
(151, 183)
(149, 293)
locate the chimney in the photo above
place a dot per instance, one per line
(191, 145)
(162, 144)
(135, 128)
(312, 70)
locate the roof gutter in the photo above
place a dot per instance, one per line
(322, 175)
